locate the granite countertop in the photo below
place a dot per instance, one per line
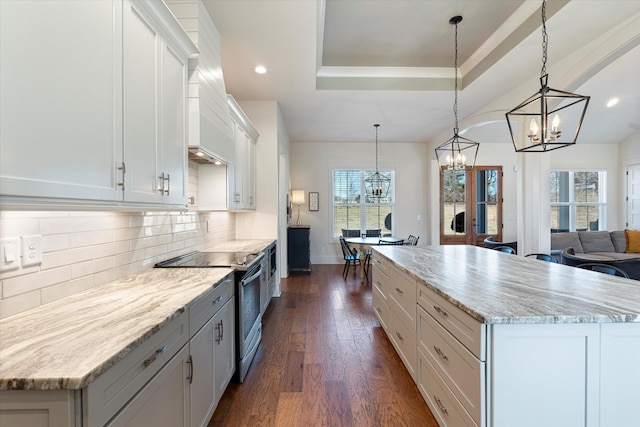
(498, 288)
(68, 343)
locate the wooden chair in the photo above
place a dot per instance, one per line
(412, 240)
(604, 268)
(351, 257)
(543, 257)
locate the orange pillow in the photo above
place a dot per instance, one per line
(633, 241)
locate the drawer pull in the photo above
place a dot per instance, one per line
(440, 353)
(399, 336)
(441, 311)
(190, 362)
(155, 357)
(440, 405)
(217, 300)
(378, 284)
(378, 310)
(220, 328)
(400, 291)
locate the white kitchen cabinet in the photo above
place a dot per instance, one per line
(164, 401)
(243, 171)
(380, 285)
(102, 128)
(155, 75)
(401, 298)
(61, 99)
(224, 348)
(38, 408)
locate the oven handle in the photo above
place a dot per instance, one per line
(257, 274)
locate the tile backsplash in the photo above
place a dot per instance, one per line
(82, 250)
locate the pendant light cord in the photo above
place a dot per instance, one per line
(455, 79)
(376, 126)
(545, 39)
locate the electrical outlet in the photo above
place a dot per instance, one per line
(9, 254)
(31, 250)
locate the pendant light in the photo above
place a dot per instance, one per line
(549, 119)
(457, 153)
(377, 184)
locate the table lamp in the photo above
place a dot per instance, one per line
(297, 198)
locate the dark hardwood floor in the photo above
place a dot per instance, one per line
(324, 360)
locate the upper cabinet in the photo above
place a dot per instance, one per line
(93, 104)
(242, 175)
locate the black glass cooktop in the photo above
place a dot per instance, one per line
(210, 259)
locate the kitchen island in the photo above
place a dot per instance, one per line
(493, 339)
(77, 361)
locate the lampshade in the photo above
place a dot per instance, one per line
(549, 119)
(297, 197)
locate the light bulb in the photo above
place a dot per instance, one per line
(555, 123)
(533, 127)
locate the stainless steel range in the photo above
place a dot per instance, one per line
(248, 284)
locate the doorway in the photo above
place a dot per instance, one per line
(471, 205)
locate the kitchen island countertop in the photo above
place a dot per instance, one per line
(495, 287)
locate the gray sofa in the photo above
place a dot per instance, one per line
(606, 247)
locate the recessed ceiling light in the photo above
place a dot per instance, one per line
(612, 102)
(199, 153)
(260, 69)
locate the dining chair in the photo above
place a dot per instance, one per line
(604, 268)
(373, 233)
(351, 257)
(388, 242)
(505, 249)
(350, 233)
(542, 257)
(412, 240)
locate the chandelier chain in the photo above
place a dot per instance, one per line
(376, 126)
(455, 79)
(545, 39)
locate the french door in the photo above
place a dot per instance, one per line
(471, 205)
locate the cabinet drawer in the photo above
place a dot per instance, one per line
(381, 263)
(380, 281)
(403, 338)
(444, 406)
(209, 304)
(463, 327)
(402, 291)
(113, 389)
(381, 308)
(463, 373)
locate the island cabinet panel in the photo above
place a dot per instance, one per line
(402, 324)
(526, 363)
(38, 408)
(466, 329)
(462, 373)
(619, 394)
(380, 285)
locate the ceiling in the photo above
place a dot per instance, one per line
(336, 67)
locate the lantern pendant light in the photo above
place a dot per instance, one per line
(377, 184)
(457, 153)
(549, 119)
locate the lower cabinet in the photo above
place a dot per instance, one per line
(164, 401)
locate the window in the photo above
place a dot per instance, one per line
(578, 200)
(354, 209)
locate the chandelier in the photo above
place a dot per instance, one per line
(535, 124)
(452, 154)
(377, 184)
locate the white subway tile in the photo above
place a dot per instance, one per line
(19, 303)
(56, 292)
(30, 282)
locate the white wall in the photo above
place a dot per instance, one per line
(311, 165)
(629, 154)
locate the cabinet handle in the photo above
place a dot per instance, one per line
(221, 331)
(124, 171)
(400, 291)
(440, 405)
(441, 311)
(217, 300)
(155, 357)
(190, 362)
(440, 353)
(168, 184)
(399, 336)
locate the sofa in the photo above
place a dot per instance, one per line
(605, 247)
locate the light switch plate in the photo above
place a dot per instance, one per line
(9, 253)
(31, 250)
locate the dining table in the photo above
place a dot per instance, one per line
(363, 242)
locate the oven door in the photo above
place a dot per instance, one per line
(249, 318)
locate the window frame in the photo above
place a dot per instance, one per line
(363, 204)
(572, 204)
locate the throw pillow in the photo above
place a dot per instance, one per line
(633, 241)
